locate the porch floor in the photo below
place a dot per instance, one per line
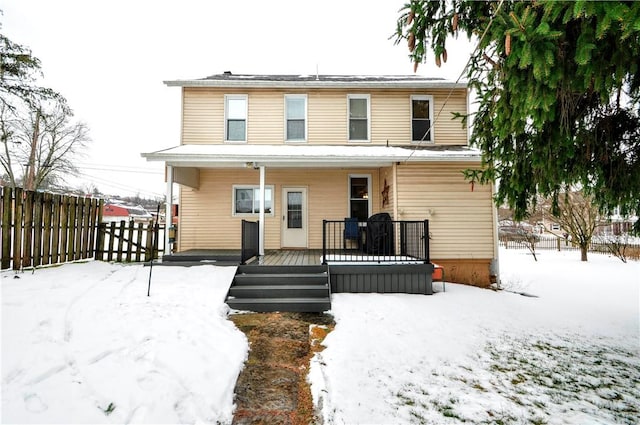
(273, 257)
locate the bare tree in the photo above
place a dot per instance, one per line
(40, 144)
(578, 215)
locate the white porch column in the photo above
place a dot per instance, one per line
(168, 219)
(262, 202)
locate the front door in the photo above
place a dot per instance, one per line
(294, 217)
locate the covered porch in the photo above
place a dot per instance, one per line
(295, 188)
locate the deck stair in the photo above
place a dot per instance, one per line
(262, 288)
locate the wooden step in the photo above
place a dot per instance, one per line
(280, 279)
(280, 288)
(279, 291)
(259, 305)
(258, 269)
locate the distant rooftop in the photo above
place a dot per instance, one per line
(229, 79)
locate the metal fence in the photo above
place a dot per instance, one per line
(250, 240)
(375, 241)
(560, 244)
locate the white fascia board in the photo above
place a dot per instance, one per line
(177, 157)
(313, 84)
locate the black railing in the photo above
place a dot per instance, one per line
(375, 241)
(250, 240)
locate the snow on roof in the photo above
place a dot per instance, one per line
(308, 155)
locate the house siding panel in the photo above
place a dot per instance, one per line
(211, 224)
(203, 115)
(327, 117)
(460, 220)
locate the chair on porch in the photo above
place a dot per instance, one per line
(352, 232)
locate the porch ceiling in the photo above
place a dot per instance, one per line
(304, 156)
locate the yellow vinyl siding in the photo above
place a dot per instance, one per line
(203, 115)
(266, 117)
(449, 131)
(327, 112)
(460, 220)
(211, 224)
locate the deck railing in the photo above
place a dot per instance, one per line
(250, 240)
(375, 242)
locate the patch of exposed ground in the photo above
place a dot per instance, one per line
(272, 388)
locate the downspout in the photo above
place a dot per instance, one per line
(168, 219)
(261, 219)
(495, 264)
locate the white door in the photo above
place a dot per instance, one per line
(294, 217)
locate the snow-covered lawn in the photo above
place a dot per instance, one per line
(82, 343)
(568, 353)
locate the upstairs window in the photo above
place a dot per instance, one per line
(421, 118)
(235, 113)
(295, 106)
(359, 111)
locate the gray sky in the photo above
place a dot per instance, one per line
(110, 58)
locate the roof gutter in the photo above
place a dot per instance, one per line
(314, 84)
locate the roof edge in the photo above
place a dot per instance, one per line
(316, 84)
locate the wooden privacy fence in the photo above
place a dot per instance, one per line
(41, 228)
(128, 241)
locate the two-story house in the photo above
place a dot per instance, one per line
(324, 147)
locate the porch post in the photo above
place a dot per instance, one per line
(261, 220)
(168, 219)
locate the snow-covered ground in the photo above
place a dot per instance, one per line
(565, 352)
(82, 343)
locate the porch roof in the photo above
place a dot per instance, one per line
(300, 156)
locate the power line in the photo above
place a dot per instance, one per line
(112, 184)
(117, 168)
(431, 127)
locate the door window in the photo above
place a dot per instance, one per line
(294, 210)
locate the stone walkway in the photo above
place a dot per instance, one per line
(272, 388)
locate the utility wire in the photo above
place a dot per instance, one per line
(431, 127)
(119, 186)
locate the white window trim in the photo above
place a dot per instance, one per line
(306, 120)
(244, 97)
(431, 108)
(368, 98)
(252, 186)
(369, 192)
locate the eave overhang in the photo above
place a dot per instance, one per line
(320, 82)
(306, 156)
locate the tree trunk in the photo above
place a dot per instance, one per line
(583, 252)
(31, 175)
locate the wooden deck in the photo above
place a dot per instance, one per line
(290, 257)
(274, 257)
